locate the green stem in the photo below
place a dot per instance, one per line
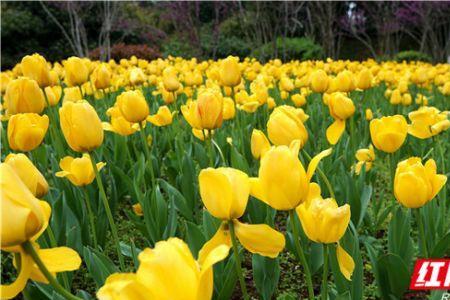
(209, 146)
(301, 255)
(224, 162)
(29, 249)
(108, 212)
(237, 260)
(53, 244)
(323, 176)
(444, 189)
(325, 273)
(147, 153)
(421, 232)
(90, 216)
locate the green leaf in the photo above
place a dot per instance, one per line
(393, 277)
(238, 161)
(179, 200)
(266, 273)
(442, 248)
(194, 238)
(399, 239)
(98, 265)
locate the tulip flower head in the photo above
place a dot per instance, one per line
(427, 122)
(133, 106)
(35, 67)
(341, 108)
(27, 131)
(76, 71)
(78, 170)
(162, 118)
(286, 125)
(388, 133)
(23, 95)
(365, 157)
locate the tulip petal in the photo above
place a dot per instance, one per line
(107, 126)
(60, 259)
(261, 239)
(345, 261)
(62, 173)
(315, 162)
(334, 131)
(221, 237)
(438, 182)
(9, 291)
(216, 193)
(257, 190)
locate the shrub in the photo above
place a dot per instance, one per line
(176, 46)
(412, 55)
(296, 48)
(121, 50)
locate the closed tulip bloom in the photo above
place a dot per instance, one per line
(319, 81)
(230, 73)
(81, 126)
(416, 184)
(133, 106)
(21, 215)
(425, 120)
(388, 133)
(344, 81)
(35, 67)
(163, 117)
(259, 143)
(5, 79)
(53, 94)
(224, 192)
(23, 95)
(282, 180)
(323, 221)
(286, 84)
(229, 109)
(79, 171)
(72, 94)
(364, 79)
(26, 131)
(76, 71)
(101, 77)
(210, 109)
(28, 173)
(137, 76)
(191, 115)
(299, 99)
(396, 97)
(365, 156)
(286, 125)
(170, 81)
(341, 108)
(369, 114)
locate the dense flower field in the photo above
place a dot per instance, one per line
(181, 179)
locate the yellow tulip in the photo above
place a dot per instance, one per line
(323, 221)
(396, 97)
(427, 122)
(53, 94)
(286, 84)
(35, 67)
(406, 99)
(230, 73)
(369, 114)
(224, 191)
(341, 108)
(364, 79)
(416, 184)
(76, 71)
(118, 124)
(319, 81)
(298, 99)
(5, 79)
(133, 106)
(170, 81)
(162, 118)
(23, 95)
(202, 134)
(282, 180)
(286, 125)
(22, 214)
(388, 133)
(344, 81)
(79, 171)
(101, 77)
(27, 131)
(137, 76)
(229, 109)
(259, 143)
(159, 266)
(81, 126)
(210, 109)
(365, 157)
(72, 94)
(28, 173)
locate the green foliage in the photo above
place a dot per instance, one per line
(176, 46)
(291, 48)
(412, 55)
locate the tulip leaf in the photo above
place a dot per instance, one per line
(179, 200)
(266, 273)
(194, 238)
(393, 279)
(98, 265)
(238, 161)
(442, 248)
(399, 239)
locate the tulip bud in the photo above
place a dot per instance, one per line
(101, 77)
(229, 109)
(319, 81)
(22, 215)
(286, 84)
(76, 71)
(81, 126)
(364, 79)
(416, 184)
(344, 81)
(230, 73)
(72, 94)
(28, 173)
(170, 80)
(286, 125)
(35, 67)
(259, 144)
(137, 76)
(388, 133)
(79, 171)
(234, 187)
(23, 95)
(298, 99)
(26, 131)
(369, 114)
(133, 106)
(53, 94)
(340, 106)
(210, 109)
